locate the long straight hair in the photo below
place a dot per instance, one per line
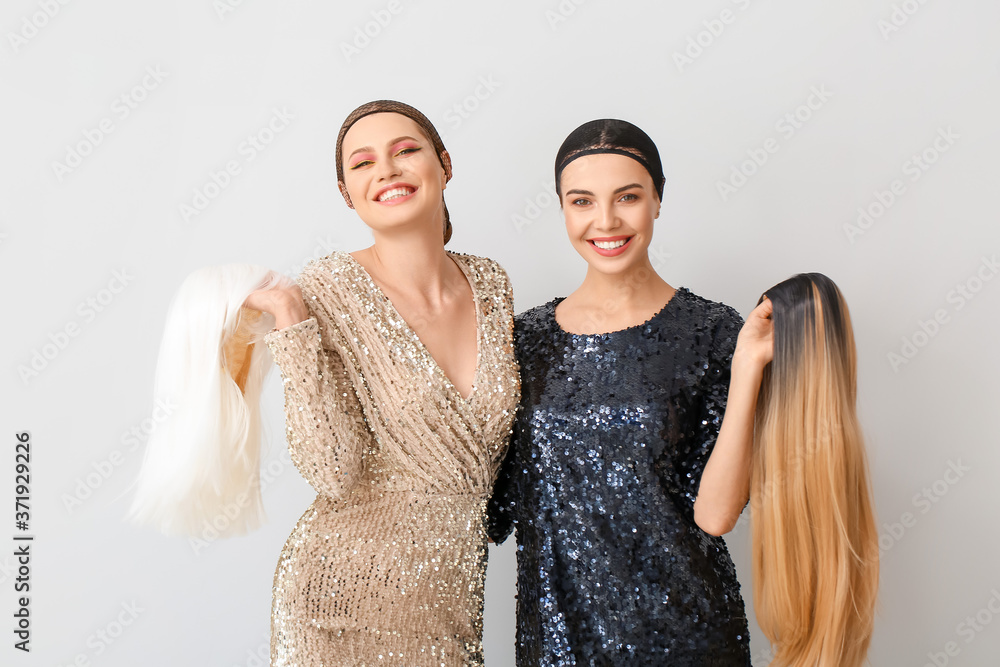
(201, 471)
(815, 542)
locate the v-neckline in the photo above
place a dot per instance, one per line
(420, 344)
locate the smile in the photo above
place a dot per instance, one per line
(394, 194)
(610, 247)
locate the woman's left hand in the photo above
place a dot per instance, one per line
(755, 344)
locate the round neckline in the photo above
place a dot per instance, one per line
(666, 306)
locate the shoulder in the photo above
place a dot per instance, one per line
(483, 269)
(332, 274)
(714, 324)
(489, 279)
(535, 325)
(537, 318)
(714, 315)
(335, 262)
(326, 283)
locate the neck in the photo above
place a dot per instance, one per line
(640, 285)
(412, 258)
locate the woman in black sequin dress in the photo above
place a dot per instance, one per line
(622, 474)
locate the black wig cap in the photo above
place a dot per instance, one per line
(610, 135)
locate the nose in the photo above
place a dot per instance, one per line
(387, 168)
(607, 218)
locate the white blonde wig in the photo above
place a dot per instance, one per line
(202, 465)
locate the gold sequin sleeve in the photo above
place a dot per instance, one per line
(323, 420)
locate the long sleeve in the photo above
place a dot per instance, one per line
(327, 435)
(502, 509)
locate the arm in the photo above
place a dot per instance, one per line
(725, 482)
(501, 511)
(502, 508)
(323, 418)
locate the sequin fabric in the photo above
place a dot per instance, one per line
(387, 565)
(609, 444)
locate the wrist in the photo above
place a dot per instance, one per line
(747, 371)
(746, 362)
(289, 315)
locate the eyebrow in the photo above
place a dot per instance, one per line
(372, 150)
(617, 191)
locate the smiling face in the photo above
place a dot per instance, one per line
(609, 204)
(392, 176)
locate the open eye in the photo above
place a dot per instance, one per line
(361, 163)
(408, 150)
(629, 197)
(581, 201)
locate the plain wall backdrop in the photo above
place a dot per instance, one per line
(144, 140)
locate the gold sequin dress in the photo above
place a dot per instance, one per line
(387, 565)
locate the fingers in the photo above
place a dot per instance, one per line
(763, 310)
(262, 300)
(251, 301)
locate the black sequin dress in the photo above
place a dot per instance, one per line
(609, 445)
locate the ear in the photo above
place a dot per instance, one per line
(343, 191)
(446, 164)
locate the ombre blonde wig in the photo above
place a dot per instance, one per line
(815, 541)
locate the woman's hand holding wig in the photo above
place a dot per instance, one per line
(201, 471)
(815, 542)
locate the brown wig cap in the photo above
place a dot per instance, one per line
(390, 106)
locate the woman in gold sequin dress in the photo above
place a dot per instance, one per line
(400, 388)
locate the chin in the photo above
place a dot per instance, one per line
(388, 217)
(617, 269)
(612, 265)
(407, 224)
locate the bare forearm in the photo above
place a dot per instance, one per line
(725, 482)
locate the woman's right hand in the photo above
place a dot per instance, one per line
(755, 343)
(285, 304)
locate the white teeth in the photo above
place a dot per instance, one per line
(395, 192)
(610, 245)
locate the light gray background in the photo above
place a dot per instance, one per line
(522, 74)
